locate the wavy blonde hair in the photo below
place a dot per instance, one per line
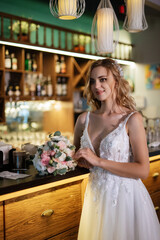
(123, 97)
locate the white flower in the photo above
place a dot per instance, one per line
(61, 166)
(68, 152)
(62, 157)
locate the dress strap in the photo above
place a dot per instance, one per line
(129, 115)
(87, 120)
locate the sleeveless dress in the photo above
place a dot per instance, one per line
(116, 208)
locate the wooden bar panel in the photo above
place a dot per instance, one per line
(26, 214)
(1, 222)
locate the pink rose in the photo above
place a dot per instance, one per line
(51, 169)
(44, 154)
(56, 160)
(64, 163)
(62, 145)
(52, 152)
(45, 160)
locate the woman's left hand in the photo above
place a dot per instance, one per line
(88, 155)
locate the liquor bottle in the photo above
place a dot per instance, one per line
(38, 87)
(58, 64)
(43, 88)
(8, 63)
(14, 61)
(59, 87)
(28, 62)
(63, 65)
(10, 91)
(33, 90)
(17, 92)
(49, 87)
(64, 86)
(27, 83)
(34, 63)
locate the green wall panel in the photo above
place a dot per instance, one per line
(39, 10)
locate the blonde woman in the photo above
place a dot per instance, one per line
(111, 142)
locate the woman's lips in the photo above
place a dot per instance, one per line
(99, 92)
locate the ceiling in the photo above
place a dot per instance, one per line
(152, 7)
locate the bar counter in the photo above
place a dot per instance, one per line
(34, 179)
(9, 186)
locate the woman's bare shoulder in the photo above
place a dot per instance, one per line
(135, 120)
(82, 118)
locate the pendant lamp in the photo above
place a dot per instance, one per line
(135, 20)
(103, 25)
(67, 9)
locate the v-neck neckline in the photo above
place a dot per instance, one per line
(103, 137)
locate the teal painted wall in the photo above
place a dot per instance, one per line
(39, 10)
(147, 45)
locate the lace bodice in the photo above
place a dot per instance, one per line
(116, 147)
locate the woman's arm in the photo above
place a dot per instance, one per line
(137, 169)
(78, 131)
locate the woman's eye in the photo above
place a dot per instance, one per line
(103, 79)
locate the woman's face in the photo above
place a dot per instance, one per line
(102, 83)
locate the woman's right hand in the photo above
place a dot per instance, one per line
(83, 163)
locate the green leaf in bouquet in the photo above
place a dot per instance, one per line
(46, 148)
(50, 143)
(43, 173)
(40, 151)
(58, 154)
(55, 146)
(68, 158)
(72, 147)
(54, 164)
(50, 135)
(57, 133)
(61, 171)
(55, 173)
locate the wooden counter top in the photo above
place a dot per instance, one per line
(9, 186)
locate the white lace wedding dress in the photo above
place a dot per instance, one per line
(116, 208)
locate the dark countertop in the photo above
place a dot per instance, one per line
(9, 186)
(154, 151)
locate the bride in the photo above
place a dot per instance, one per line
(110, 141)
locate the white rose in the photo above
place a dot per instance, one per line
(62, 157)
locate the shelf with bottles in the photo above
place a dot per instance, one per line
(62, 87)
(2, 56)
(37, 87)
(61, 64)
(33, 61)
(2, 93)
(2, 112)
(64, 73)
(13, 85)
(13, 59)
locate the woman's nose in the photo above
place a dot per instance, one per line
(97, 84)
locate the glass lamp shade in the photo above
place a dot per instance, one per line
(135, 20)
(103, 26)
(67, 9)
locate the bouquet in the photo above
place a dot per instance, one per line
(55, 156)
